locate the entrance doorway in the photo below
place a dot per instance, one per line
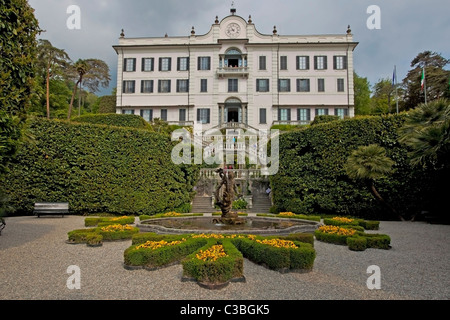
(233, 115)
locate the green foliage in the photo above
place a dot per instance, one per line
(220, 271)
(113, 119)
(362, 95)
(240, 204)
(94, 221)
(312, 176)
(98, 169)
(18, 31)
(324, 119)
(357, 243)
(368, 163)
(107, 104)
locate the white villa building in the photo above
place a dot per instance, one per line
(236, 75)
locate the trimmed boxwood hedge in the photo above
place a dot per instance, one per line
(312, 179)
(98, 235)
(365, 224)
(103, 221)
(217, 272)
(163, 256)
(123, 171)
(358, 241)
(113, 119)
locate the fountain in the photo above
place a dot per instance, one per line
(229, 222)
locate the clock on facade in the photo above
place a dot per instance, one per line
(233, 30)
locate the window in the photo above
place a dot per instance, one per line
(129, 86)
(303, 115)
(341, 112)
(303, 63)
(183, 64)
(262, 116)
(129, 64)
(204, 85)
(320, 63)
(262, 63)
(233, 85)
(203, 116)
(321, 85)
(204, 63)
(283, 63)
(284, 85)
(340, 85)
(284, 114)
(164, 86)
(164, 114)
(147, 115)
(182, 116)
(183, 85)
(146, 86)
(128, 111)
(340, 62)
(148, 64)
(321, 112)
(165, 64)
(303, 85)
(262, 85)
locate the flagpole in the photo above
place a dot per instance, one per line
(396, 87)
(425, 84)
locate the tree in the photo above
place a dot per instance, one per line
(427, 133)
(383, 97)
(18, 30)
(90, 73)
(370, 163)
(362, 95)
(54, 61)
(437, 79)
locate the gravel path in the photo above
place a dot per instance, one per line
(34, 259)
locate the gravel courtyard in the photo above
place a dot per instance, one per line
(34, 259)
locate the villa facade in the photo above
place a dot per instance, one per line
(236, 75)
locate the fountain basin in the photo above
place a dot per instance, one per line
(252, 225)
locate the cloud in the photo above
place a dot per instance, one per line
(408, 27)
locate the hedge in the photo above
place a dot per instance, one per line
(312, 179)
(364, 224)
(150, 258)
(113, 119)
(97, 235)
(95, 168)
(102, 221)
(215, 272)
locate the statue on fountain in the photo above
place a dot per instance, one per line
(224, 196)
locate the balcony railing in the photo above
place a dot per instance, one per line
(292, 123)
(232, 71)
(181, 123)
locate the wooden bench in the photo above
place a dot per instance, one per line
(51, 208)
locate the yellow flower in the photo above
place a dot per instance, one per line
(118, 218)
(211, 254)
(158, 244)
(337, 230)
(343, 219)
(172, 214)
(208, 236)
(287, 214)
(278, 243)
(116, 228)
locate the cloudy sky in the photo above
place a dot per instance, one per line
(408, 27)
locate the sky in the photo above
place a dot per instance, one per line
(392, 36)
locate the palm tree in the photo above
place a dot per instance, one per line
(427, 133)
(81, 68)
(53, 60)
(370, 163)
(92, 73)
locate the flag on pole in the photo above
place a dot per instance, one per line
(394, 77)
(422, 80)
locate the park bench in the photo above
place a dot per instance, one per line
(51, 208)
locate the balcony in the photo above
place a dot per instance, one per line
(223, 72)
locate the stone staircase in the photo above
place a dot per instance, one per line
(202, 205)
(261, 204)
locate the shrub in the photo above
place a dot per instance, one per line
(333, 234)
(357, 243)
(378, 241)
(123, 171)
(312, 178)
(117, 232)
(103, 221)
(226, 263)
(324, 119)
(369, 225)
(113, 119)
(80, 235)
(94, 239)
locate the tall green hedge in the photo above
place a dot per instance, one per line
(312, 179)
(98, 169)
(113, 119)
